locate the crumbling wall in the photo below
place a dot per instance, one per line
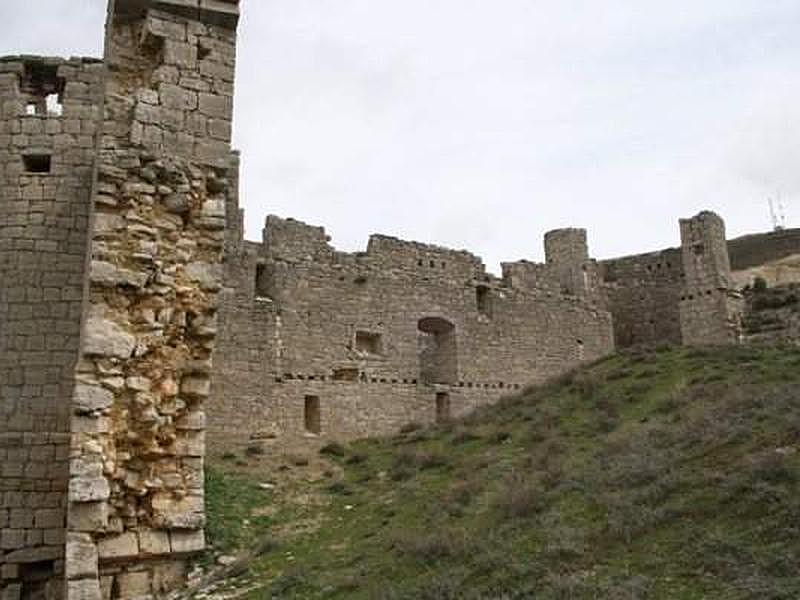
(643, 294)
(351, 333)
(164, 172)
(49, 110)
(680, 295)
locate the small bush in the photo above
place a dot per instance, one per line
(340, 488)
(356, 459)
(410, 428)
(420, 459)
(760, 285)
(464, 436)
(333, 449)
(434, 546)
(400, 473)
(519, 497)
(255, 450)
(499, 437)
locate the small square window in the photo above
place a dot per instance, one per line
(37, 163)
(368, 342)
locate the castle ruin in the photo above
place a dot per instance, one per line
(135, 318)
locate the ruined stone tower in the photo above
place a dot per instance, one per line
(710, 310)
(116, 178)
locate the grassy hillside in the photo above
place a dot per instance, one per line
(671, 474)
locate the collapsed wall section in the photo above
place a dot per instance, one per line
(49, 110)
(328, 345)
(164, 181)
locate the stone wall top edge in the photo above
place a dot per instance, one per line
(381, 239)
(50, 60)
(377, 243)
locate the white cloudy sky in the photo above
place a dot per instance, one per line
(483, 123)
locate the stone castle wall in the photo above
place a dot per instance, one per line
(371, 341)
(49, 114)
(134, 316)
(682, 295)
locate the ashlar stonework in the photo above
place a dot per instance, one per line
(136, 322)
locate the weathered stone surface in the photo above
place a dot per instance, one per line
(187, 542)
(84, 589)
(88, 516)
(196, 386)
(105, 338)
(134, 585)
(178, 513)
(90, 398)
(154, 542)
(106, 274)
(89, 489)
(209, 276)
(125, 545)
(81, 556)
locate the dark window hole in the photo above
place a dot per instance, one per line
(37, 163)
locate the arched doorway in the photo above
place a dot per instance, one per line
(438, 352)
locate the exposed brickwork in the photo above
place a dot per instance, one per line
(164, 172)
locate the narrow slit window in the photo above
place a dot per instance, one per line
(442, 407)
(37, 163)
(311, 415)
(483, 299)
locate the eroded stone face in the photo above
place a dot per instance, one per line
(158, 230)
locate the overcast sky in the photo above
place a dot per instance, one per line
(480, 124)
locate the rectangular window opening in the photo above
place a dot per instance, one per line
(311, 415)
(442, 407)
(37, 163)
(369, 342)
(483, 297)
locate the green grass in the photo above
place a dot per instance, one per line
(232, 504)
(659, 474)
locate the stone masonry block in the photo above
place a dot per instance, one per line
(134, 585)
(154, 542)
(185, 542)
(125, 545)
(83, 589)
(81, 556)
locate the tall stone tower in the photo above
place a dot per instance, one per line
(567, 254)
(49, 115)
(164, 173)
(710, 309)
